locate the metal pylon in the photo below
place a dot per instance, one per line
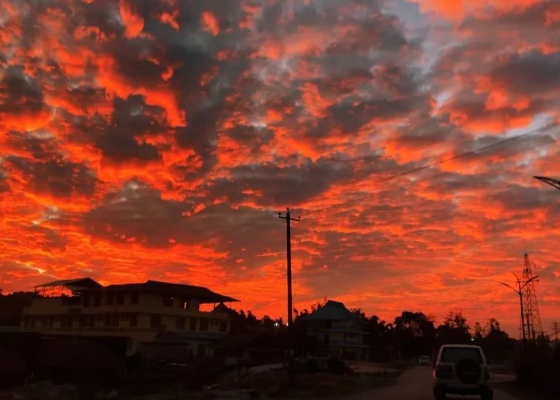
(533, 325)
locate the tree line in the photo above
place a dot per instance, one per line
(409, 336)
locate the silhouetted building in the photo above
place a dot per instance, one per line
(339, 331)
(11, 308)
(252, 348)
(145, 313)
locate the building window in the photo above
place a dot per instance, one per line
(91, 321)
(120, 299)
(167, 301)
(109, 300)
(107, 321)
(180, 323)
(223, 326)
(135, 298)
(97, 301)
(193, 324)
(83, 321)
(86, 301)
(155, 321)
(133, 320)
(115, 320)
(185, 305)
(203, 324)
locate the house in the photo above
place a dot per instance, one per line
(339, 331)
(141, 312)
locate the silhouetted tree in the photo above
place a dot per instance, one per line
(251, 318)
(11, 306)
(496, 343)
(454, 330)
(378, 338)
(413, 334)
(305, 311)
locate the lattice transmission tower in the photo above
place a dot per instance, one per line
(533, 325)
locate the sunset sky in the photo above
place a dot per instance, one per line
(158, 139)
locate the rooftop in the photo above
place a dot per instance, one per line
(331, 311)
(203, 294)
(72, 284)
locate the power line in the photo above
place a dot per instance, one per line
(446, 172)
(466, 154)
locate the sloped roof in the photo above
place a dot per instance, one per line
(73, 284)
(331, 311)
(203, 294)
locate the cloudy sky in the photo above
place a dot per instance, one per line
(158, 139)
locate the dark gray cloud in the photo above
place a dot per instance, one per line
(525, 19)
(56, 176)
(138, 211)
(429, 131)
(4, 183)
(19, 94)
(272, 184)
(46, 169)
(121, 140)
(532, 73)
(525, 199)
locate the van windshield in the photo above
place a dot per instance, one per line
(456, 354)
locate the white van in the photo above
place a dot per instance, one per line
(463, 370)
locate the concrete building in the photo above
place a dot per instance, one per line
(339, 331)
(144, 313)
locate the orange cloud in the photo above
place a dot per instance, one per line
(116, 84)
(170, 19)
(209, 23)
(134, 23)
(458, 9)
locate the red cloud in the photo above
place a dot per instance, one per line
(458, 9)
(133, 22)
(209, 23)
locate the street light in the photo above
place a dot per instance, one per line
(519, 292)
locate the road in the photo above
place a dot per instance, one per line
(415, 384)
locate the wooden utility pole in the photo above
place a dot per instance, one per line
(288, 219)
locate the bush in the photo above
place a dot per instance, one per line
(539, 368)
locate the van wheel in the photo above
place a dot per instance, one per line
(487, 395)
(439, 394)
